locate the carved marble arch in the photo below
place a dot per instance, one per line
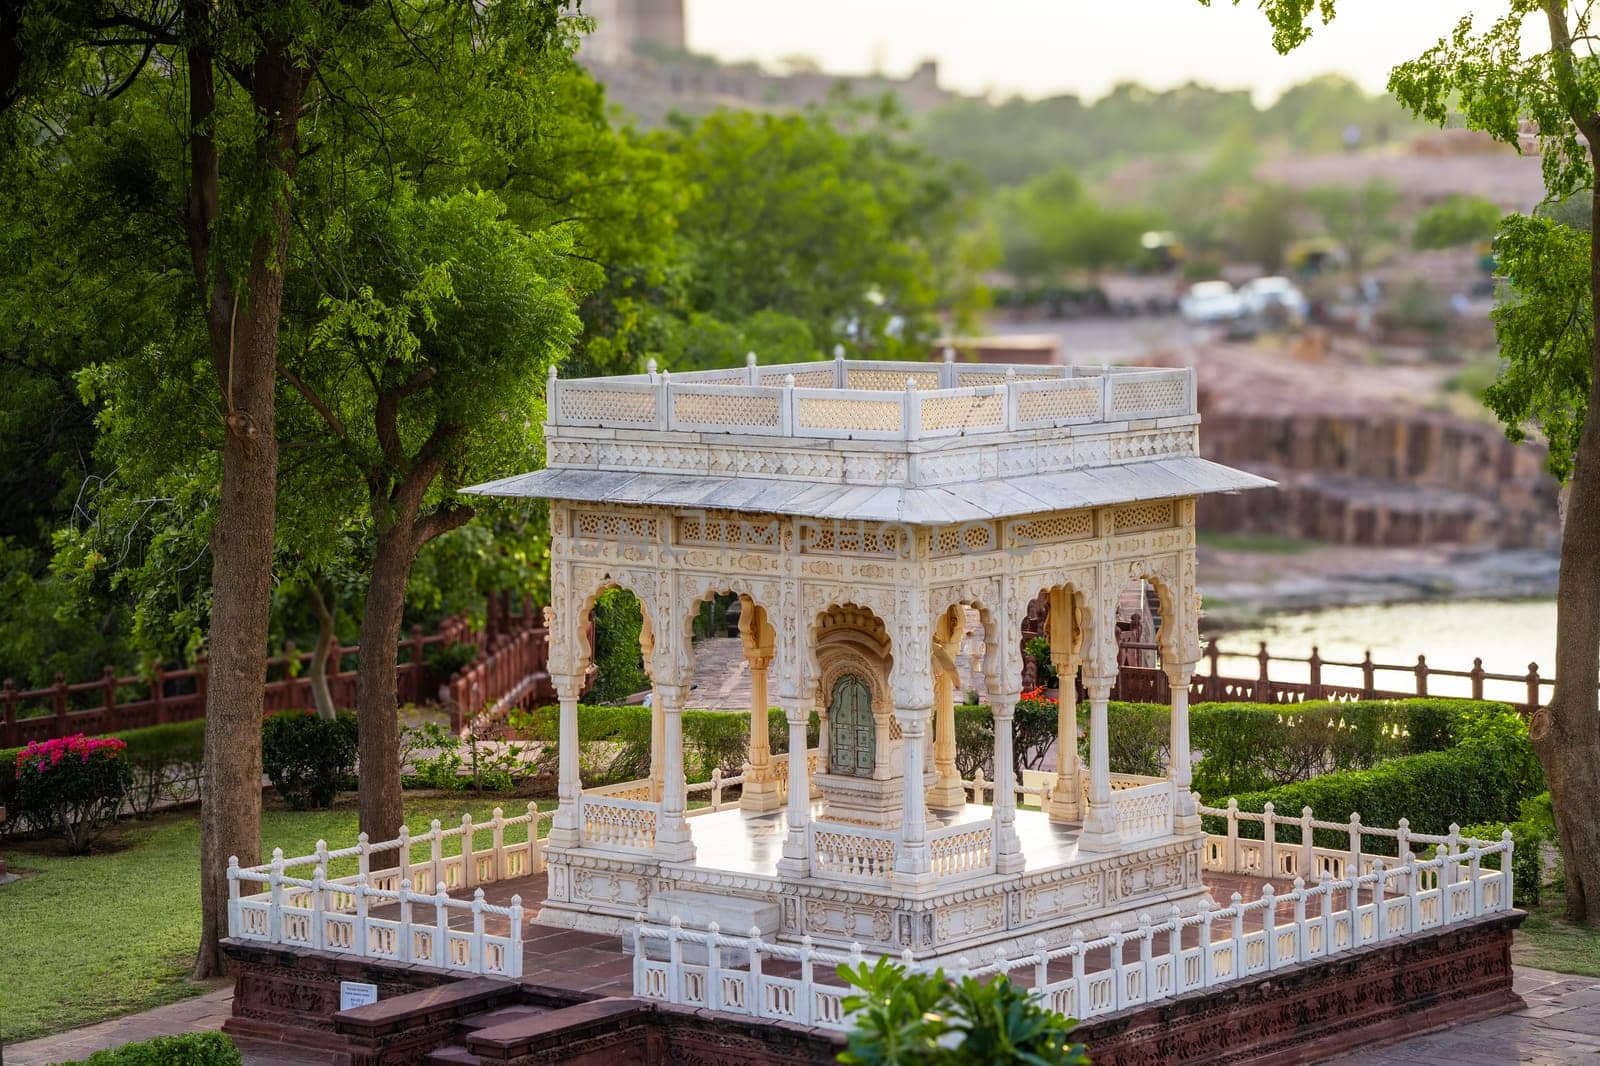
(851, 639)
(1087, 636)
(984, 597)
(756, 599)
(586, 586)
(1178, 636)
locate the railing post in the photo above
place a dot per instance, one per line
(807, 993)
(1308, 855)
(535, 845)
(318, 907)
(1477, 679)
(1302, 933)
(1269, 841)
(405, 932)
(1507, 901)
(1414, 902)
(1174, 948)
(275, 887)
(788, 412)
(441, 917)
(1314, 688)
(469, 862)
(360, 939)
(514, 963)
(497, 841)
(1080, 977)
(1422, 675)
(1368, 672)
(713, 989)
(908, 411)
(59, 700)
(475, 951)
(1269, 923)
(1533, 687)
(436, 852)
(234, 925)
(1263, 691)
(1232, 855)
(1381, 878)
(1355, 845)
(758, 999)
(1236, 904)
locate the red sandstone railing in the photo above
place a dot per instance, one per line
(511, 661)
(1149, 684)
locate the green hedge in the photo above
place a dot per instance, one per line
(614, 742)
(189, 1049)
(165, 760)
(1483, 778)
(1535, 827)
(1253, 746)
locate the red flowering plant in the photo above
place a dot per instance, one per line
(73, 786)
(1034, 729)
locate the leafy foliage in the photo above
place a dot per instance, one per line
(186, 1049)
(308, 759)
(916, 1017)
(72, 787)
(1456, 220)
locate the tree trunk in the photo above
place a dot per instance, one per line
(244, 348)
(1566, 734)
(381, 807)
(327, 639)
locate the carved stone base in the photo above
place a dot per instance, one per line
(760, 796)
(862, 800)
(946, 795)
(1010, 911)
(1314, 1011)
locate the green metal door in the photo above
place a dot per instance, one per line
(852, 734)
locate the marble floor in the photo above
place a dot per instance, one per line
(735, 841)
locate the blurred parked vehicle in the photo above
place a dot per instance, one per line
(1275, 300)
(1210, 303)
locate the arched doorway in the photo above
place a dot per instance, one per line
(852, 736)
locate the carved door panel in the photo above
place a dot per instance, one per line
(852, 733)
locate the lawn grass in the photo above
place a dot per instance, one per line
(1547, 941)
(92, 937)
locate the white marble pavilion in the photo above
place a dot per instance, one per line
(858, 509)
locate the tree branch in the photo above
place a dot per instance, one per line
(315, 401)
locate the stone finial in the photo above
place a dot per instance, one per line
(838, 351)
(750, 359)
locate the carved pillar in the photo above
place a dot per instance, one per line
(1007, 847)
(911, 861)
(658, 737)
(947, 791)
(1185, 819)
(1065, 803)
(1062, 629)
(1099, 821)
(796, 861)
(760, 793)
(564, 828)
(673, 843)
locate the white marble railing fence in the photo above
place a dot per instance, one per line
(1269, 857)
(414, 909)
(871, 400)
(851, 852)
(1153, 962)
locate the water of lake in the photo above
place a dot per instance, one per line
(1507, 635)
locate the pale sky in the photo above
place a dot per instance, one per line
(1045, 47)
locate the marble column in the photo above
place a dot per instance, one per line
(658, 746)
(564, 827)
(796, 860)
(947, 791)
(1185, 819)
(760, 792)
(1007, 847)
(673, 843)
(911, 859)
(1099, 821)
(1066, 794)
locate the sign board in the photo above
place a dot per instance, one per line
(356, 994)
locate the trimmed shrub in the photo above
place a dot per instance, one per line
(1253, 746)
(73, 786)
(307, 758)
(167, 762)
(619, 664)
(1483, 779)
(188, 1049)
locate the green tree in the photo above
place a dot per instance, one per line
(1454, 221)
(207, 120)
(1497, 78)
(828, 217)
(1049, 226)
(1359, 217)
(426, 375)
